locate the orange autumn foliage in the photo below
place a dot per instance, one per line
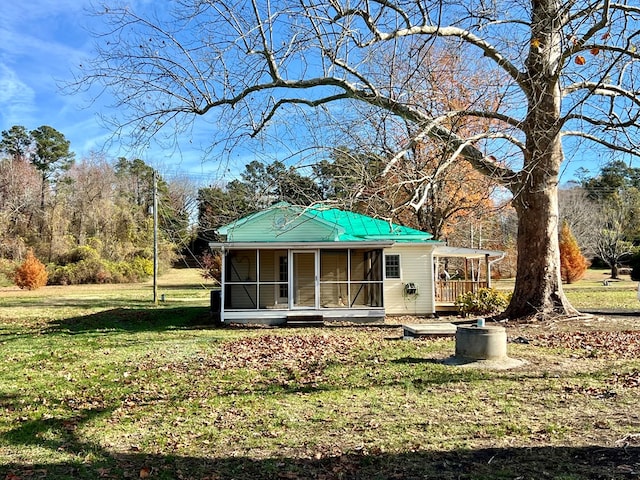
(425, 189)
(32, 274)
(573, 264)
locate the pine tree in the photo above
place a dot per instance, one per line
(573, 264)
(32, 274)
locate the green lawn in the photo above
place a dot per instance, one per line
(96, 382)
(591, 294)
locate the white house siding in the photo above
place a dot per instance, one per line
(416, 266)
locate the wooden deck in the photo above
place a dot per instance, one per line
(447, 291)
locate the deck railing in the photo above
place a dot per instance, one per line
(447, 291)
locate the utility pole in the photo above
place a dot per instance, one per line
(155, 238)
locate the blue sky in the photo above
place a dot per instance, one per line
(41, 44)
(40, 41)
(43, 41)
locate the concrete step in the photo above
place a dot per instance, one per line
(305, 321)
(429, 330)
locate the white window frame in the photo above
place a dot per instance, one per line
(388, 255)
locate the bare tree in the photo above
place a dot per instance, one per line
(571, 68)
(19, 199)
(580, 213)
(91, 195)
(615, 214)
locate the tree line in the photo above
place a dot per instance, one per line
(600, 213)
(603, 213)
(89, 220)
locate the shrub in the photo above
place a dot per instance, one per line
(7, 272)
(81, 253)
(96, 270)
(212, 267)
(483, 302)
(32, 274)
(84, 271)
(573, 264)
(634, 263)
(140, 269)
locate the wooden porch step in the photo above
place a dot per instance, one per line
(305, 321)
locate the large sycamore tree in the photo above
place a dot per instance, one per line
(564, 68)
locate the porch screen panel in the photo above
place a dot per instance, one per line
(334, 276)
(267, 267)
(366, 265)
(366, 278)
(240, 296)
(334, 265)
(269, 297)
(274, 276)
(334, 295)
(241, 272)
(273, 266)
(357, 265)
(366, 295)
(241, 266)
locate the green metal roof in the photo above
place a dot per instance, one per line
(356, 226)
(282, 221)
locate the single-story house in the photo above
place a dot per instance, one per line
(289, 262)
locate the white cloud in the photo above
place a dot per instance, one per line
(17, 99)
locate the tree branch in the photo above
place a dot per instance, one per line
(601, 141)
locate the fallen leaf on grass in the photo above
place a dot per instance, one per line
(104, 472)
(594, 344)
(631, 439)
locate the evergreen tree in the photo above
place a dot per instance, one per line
(51, 154)
(15, 142)
(573, 264)
(32, 274)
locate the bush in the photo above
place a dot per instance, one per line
(83, 271)
(96, 270)
(212, 267)
(573, 264)
(7, 272)
(81, 253)
(634, 263)
(483, 302)
(32, 274)
(140, 269)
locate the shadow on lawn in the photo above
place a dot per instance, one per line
(492, 463)
(136, 320)
(91, 461)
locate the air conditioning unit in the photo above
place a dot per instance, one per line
(410, 288)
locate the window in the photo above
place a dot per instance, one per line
(392, 266)
(283, 276)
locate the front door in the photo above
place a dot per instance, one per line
(304, 279)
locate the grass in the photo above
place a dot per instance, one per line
(591, 294)
(96, 382)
